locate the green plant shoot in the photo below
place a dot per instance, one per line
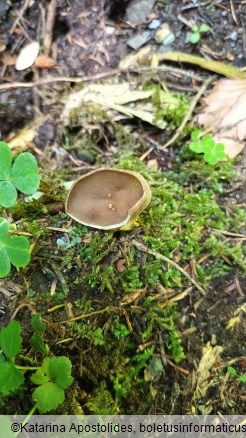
(197, 31)
(14, 250)
(22, 175)
(213, 152)
(234, 373)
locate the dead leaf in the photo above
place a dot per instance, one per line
(44, 61)
(132, 296)
(27, 56)
(8, 59)
(2, 45)
(153, 164)
(22, 140)
(141, 57)
(113, 96)
(226, 114)
(202, 377)
(120, 265)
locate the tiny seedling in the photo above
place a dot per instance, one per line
(52, 377)
(197, 31)
(234, 373)
(13, 249)
(213, 152)
(22, 174)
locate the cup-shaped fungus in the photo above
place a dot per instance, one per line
(108, 199)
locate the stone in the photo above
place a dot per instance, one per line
(138, 10)
(169, 40)
(139, 40)
(233, 36)
(154, 24)
(162, 33)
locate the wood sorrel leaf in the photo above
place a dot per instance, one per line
(214, 153)
(24, 173)
(5, 161)
(4, 262)
(13, 249)
(8, 194)
(17, 248)
(4, 228)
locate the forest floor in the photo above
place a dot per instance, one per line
(142, 337)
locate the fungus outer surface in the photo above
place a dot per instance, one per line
(103, 198)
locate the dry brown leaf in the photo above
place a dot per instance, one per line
(131, 296)
(2, 45)
(226, 114)
(44, 61)
(22, 140)
(8, 59)
(202, 378)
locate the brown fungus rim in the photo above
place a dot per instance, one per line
(134, 210)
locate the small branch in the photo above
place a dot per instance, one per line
(144, 248)
(189, 113)
(54, 79)
(85, 315)
(20, 15)
(51, 15)
(228, 233)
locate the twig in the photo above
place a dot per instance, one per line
(20, 15)
(144, 248)
(51, 15)
(21, 306)
(228, 233)
(168, 69)
(178, 368)
(86, 315)
(189, 113)
(233, 12)
(53, 79)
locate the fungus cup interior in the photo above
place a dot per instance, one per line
(107, 198)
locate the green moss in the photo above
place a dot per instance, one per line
(101, 402)
(170, 108)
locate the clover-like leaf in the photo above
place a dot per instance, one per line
(195, 37)
(215, 153)
(196, 146)
(5, 161)
(8, 194)
(48, 396)
(4, 228)
(204, 27)
(13, 249)
(195, 135)
(18, 250)
(24, 173)
(4, 263)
